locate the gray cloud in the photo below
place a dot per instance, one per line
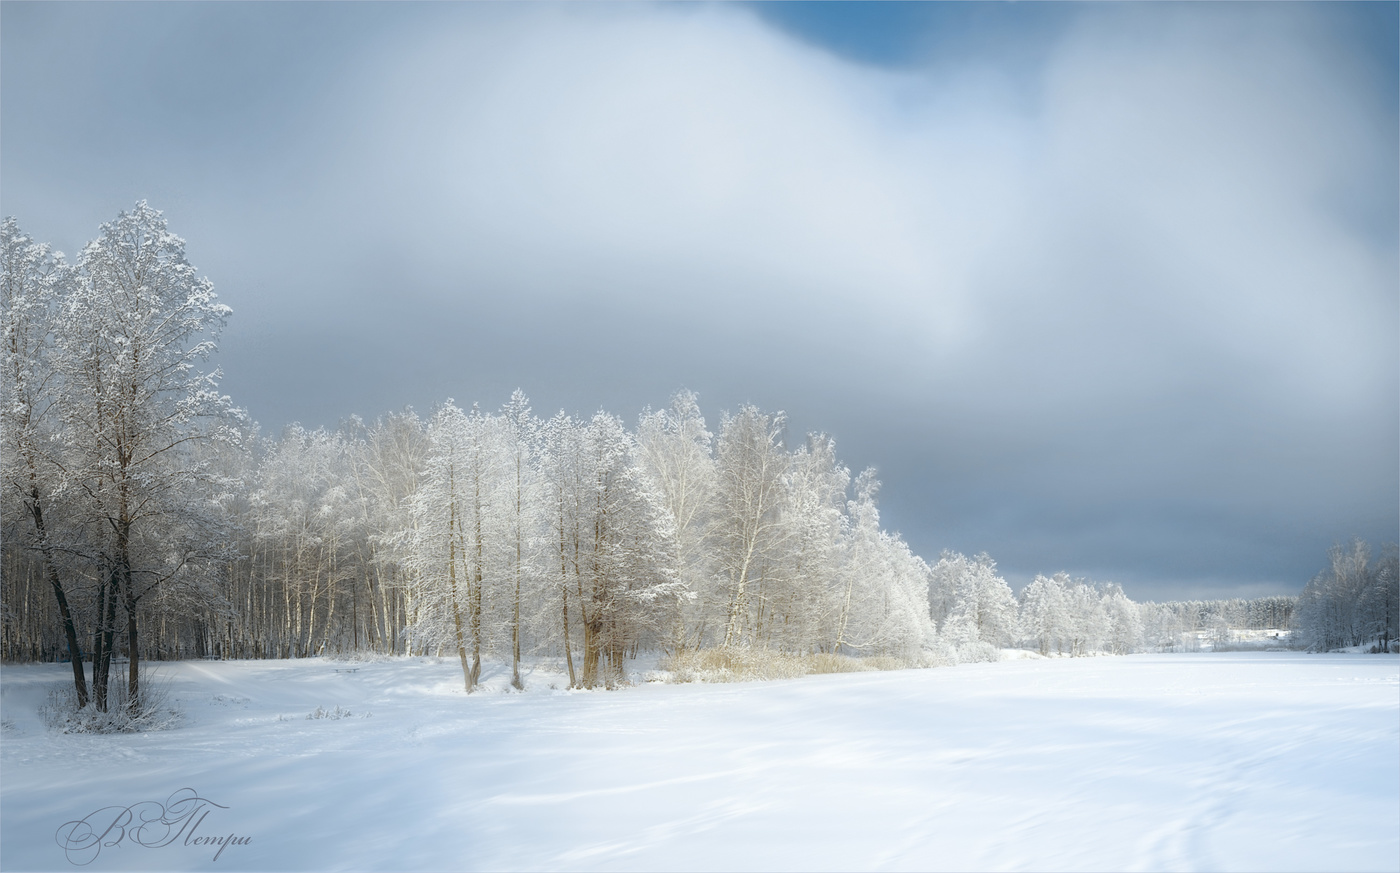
(1130, 310)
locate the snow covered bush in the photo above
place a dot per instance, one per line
(960, 634)
(333, 714)
(157, 710)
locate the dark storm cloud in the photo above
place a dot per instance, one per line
(1108, 289)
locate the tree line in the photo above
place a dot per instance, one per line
(143, 502)
(145, 517)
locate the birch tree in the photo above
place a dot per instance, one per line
(1125, 628)
(748, 522)
(1043, 612)
(562, 460)
(439, 554)
(802, 602)
(674, 448)
(521, 503)
(388, 466)
(34, 282)
(628, 587)
(884, 597)
(133, 337)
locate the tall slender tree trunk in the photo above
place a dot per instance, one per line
(36, 510)
(331, 598)
(133, 677)
(564, 597)
(591, 654)
(102, 639)
(476, 574)
(126, 586)
(590, 637)
(515, 619)
(75, 652)
(468, 679)
(739, 601)
(476, 622)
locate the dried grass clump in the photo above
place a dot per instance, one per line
(746, 665)
(732, 665)
(824, 662)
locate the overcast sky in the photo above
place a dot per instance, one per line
(1109, 289)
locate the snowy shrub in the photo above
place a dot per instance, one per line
(936, 654)
(157, 711)
(960, 634)
(338, 712)
(978, 652)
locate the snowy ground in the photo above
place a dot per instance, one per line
(1249, 761)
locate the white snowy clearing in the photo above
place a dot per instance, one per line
(1248, 761)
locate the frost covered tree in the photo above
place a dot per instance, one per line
(748, 529)
(802, 603)
(135, 407)
(317, 565)
(388, 457)
(473, 531)
(674, 449)
(147, 502)
(393, 461)
(306, 522)
(438, 554)
(1044, 612)
(1069, 615)
(480, 528)
(628, 589)
(1125, 631)
(1353, 602)
(1123, 621)
(1381, 603)
(522, 504)
(972, 606)
(883, 597)
(1087, 623)
(1161, 626)
(562, 464)
(34, 283)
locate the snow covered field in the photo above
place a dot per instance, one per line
(1247, 761)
